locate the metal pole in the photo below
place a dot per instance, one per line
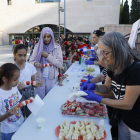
(59, 16)
(64, 18)
(40, 1)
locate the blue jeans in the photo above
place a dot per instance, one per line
(126, 133)
(7, 136)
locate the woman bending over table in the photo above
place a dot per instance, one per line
(123, 79)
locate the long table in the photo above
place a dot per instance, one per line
(52, 113)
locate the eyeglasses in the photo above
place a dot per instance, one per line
(106, 54)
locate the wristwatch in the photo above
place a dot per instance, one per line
(97, 88)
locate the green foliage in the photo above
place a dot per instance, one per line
(125, 13)
(121, 11)
(135, 11)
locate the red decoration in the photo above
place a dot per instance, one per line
(28, 83)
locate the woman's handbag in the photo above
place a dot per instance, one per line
(115, 118)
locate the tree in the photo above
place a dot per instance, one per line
(121, 11)
(135, 11)
(125, 13)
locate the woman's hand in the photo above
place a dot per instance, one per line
(38, 65)
(20, 86)
(45, 54)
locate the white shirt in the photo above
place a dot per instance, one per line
(9, 99)
(26, 73)
(45, 71)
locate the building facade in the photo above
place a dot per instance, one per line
(82, 16)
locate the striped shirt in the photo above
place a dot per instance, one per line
(104, 73)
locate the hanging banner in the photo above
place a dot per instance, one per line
(133, 35)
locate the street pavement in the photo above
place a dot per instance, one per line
(6, 55)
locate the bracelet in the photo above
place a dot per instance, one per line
(97, 89)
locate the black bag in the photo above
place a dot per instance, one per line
(26, 93)
(115, 118)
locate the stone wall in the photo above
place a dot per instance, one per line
(81, 15)
(123, 28)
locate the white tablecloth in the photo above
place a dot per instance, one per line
(52, 113)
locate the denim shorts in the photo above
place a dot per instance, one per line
(7, 136)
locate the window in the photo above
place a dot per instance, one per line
(9, 2)
(41, 1)
(89, 0)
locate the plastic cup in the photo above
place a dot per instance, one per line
(68, 79)
(40, 123)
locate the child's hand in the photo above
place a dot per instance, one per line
(39, 83)
(38, 65)
(20, 86)
(60, 84)
(13, 110)
(66, 75)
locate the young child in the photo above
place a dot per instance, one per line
(11, 117)
(69, 56)
(30, 44)
(13, 43)
(67, 47)
(89, 47)
(70, 43)
(27, 73)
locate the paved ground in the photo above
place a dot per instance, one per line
(6, 55)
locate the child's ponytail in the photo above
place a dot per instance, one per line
(7, 70)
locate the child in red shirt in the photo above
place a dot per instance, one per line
(81, 45)
(69, 56)
(89, 47)
(16, 41)
(70, 43)
(89, 44)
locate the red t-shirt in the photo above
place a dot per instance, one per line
(16, 41)
(72, 45)
(81, 47)
(89, 47)
(81, 52)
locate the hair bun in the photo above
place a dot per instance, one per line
(98, 32)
